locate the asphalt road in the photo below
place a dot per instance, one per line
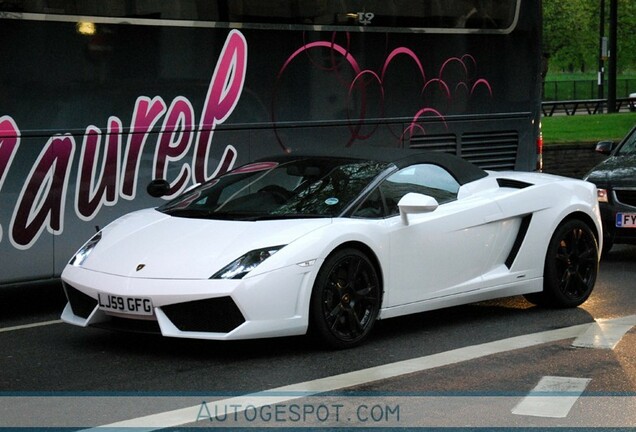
(464, 366)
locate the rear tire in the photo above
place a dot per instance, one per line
(345, 300)
(571, 266)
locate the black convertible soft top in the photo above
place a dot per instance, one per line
(463, 171)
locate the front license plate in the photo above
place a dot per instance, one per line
(626, 220)
(127, 305)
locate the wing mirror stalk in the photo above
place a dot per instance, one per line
(414, 203)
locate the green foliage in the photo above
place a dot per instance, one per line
(571, 34)
(627, 35)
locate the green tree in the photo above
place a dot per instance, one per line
(626, 36)
(570, 34)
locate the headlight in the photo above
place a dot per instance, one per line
(601, 195)
(245, 264)
(81, 255)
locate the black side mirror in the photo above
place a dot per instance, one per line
(604, 147)
(158, 188)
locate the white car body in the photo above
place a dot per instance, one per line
(490, 242)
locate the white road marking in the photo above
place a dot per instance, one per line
(26, 326)
(553, 397)
(283, 394)
(605, 334)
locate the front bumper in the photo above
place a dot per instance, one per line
(267, 305)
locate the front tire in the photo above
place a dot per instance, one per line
(345, 300)
(571, 266)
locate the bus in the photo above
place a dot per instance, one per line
(99, 97)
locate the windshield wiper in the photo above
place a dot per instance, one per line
(286, 216)
(194, 213)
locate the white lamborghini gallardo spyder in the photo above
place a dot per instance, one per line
(328, 244)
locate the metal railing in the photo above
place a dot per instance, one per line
(583, 106)
(584, 89)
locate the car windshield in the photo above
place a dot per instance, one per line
(316, 187)
(629, 145)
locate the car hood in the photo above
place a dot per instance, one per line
(180, 248)
(615, 171)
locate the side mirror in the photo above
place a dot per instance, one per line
(414, 203)
(604, 147)
(158, 188)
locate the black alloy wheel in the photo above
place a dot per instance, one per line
(345, 300)
(571, 266)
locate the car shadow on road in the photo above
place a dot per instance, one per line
(621, 253)
(477, 322)
(506, 317)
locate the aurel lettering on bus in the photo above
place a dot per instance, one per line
(41, 203)
(39, 206)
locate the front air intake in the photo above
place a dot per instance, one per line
(81, 304)
(215, 315)
(626, 196)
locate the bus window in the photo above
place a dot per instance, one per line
(374, 15)
(396, 14)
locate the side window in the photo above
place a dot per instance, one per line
(372, 207)
(426, 179)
